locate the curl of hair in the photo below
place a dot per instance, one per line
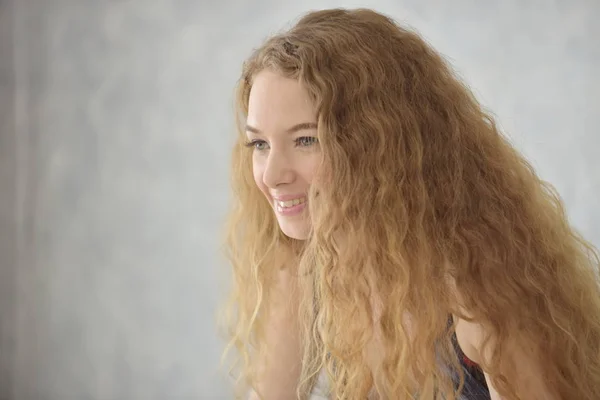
(426, 192)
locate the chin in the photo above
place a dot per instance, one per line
(295, 232)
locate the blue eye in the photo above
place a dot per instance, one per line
(306, 141)
(259, 145)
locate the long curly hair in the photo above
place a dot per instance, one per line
(422, 204)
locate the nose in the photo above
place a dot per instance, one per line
(278, 169)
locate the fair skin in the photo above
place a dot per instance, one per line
(281, 130)
(280, 368)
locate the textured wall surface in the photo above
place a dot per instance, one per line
(116, 125)
(8, 180)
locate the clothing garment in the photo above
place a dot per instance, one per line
(475, 386)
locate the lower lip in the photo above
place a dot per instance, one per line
(290, 211)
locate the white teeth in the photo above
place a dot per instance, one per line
(290, 203)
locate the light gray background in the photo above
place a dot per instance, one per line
(116, 121)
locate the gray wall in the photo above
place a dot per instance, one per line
(115, 122)
(8, 222)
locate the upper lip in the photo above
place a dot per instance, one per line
(286, 197)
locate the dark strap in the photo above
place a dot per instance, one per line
(475, 387)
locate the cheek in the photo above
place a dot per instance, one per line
(311, 170)
(257, 172)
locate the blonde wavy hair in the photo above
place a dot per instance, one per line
(424, 190)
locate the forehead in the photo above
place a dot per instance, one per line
(276, 102)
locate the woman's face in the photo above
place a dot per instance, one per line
(282, 132)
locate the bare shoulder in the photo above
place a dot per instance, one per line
(469, 336)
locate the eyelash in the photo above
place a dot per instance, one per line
(312, 140)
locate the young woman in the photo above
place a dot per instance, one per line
(387, 236)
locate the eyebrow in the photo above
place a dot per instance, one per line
(298, 127)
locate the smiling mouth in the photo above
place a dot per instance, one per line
(290, 207)
(290, 203)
